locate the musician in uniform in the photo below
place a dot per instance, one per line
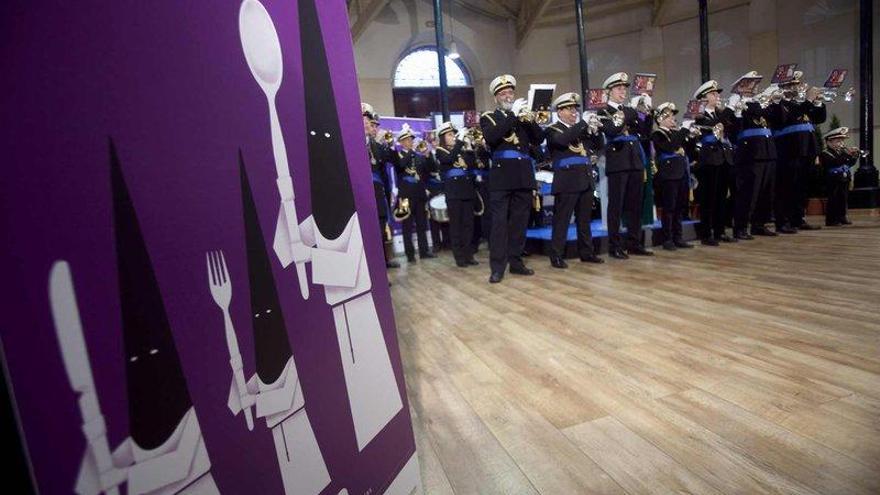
(439, 230)
(380, 154)
(624, 168)
(413, 170)
(715, 161)
(509, 137)
(798, 153)
(571, 143)
(755, 162)
(837, 163)
(669, 142)
(458, 182)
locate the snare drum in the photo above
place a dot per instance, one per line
(437, 208)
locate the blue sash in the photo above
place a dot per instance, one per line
(571, 162)
(758, 131)
(709, 139)
(669, 156)
(479, 172)
(629, 137)
(410, 179)
(509, 154)
(455, 172)
(795, 128)
(377, 178)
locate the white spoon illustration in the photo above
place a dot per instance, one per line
(262, 50)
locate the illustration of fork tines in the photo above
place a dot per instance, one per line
(221, 291)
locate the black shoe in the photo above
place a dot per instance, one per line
(557, 262)
(669, 246)
(592, 258)
(742, 235)
(427, 256)
(639, 251)
(725, 238)
(472, 262)
(411, 259)
(806, 226)
(392, 264)
(763, 231)
(461, 264)
(786, 229)
(496, 277)
(619, 254)
(833, 224)
(681, 244)
(708, 242)
(521, 270)
(845, 221)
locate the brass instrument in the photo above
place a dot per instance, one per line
(388, 137)
(829, 95)
(717, 130)
(536, 200)
(401, 211)
(542, 117)
(855, 152)
(422, 147)
(481, 205)
(388, 235)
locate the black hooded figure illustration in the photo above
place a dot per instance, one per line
(332, 198)
(157, 393)
(271, 345)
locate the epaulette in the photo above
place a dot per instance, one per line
(443, 150)
(488, 115)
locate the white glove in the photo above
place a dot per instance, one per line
(394, 191)
(647, 101)
(733, 101)
(520, 105)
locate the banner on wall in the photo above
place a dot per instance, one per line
(193, 243)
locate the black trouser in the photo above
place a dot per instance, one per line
(754, 193)
(835, 209)
(792, 181)
(712, 195)
(673, 201)
(439, 234)
(420, 219)
(581, 204)
(729, 202)
(461, 228)
(625, 199)
(510, 217)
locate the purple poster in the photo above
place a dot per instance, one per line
(196, 299)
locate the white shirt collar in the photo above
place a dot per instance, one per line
(615, 105)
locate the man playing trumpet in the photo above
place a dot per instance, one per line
(413, 170)
(715, 162)
(509, 132)
(625, 168)
(802, 108)
(380, 154)
(837, 162)
(456, 166)
(571, 143)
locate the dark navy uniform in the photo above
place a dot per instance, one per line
(798, 148)
(511, 185)
(671, 180)
(458, 181)
(413, 171)
(625, 170)
(482, 223)
(380, 155)
(714, 171)
(570, 149)
(755, 162)
(836, 167)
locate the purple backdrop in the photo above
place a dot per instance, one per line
(168, 82)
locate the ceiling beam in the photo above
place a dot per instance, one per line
(369, 10)
(660, 12)
(502, 7)
(591, 13)
(528, 17)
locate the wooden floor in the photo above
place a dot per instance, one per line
(752, 368)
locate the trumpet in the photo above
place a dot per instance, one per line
(717, 130)
(616, 120)
(388, 137)
(422, 147)
(402, 210)
(855, 152)
(830, 95)
(541, 117)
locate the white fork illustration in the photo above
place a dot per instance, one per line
(221, 291)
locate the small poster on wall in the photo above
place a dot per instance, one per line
(597, 99)
(643, 84)
(836, 78)
(783, 73)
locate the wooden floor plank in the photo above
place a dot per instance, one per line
(744, 369)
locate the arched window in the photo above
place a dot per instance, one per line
(419, 69)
